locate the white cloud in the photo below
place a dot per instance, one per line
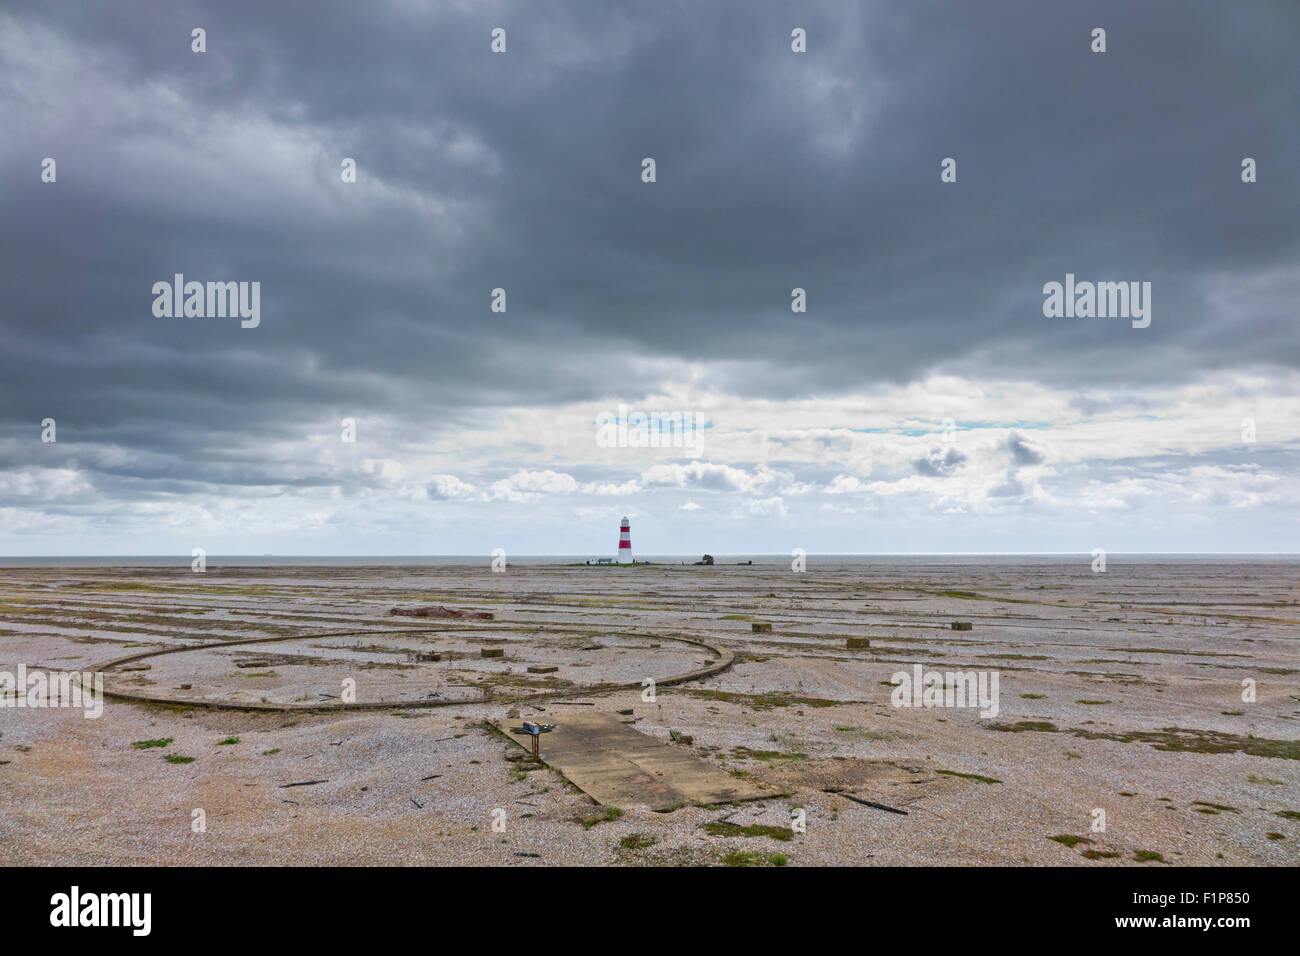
(448, 486)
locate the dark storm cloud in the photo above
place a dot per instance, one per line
(522, 171)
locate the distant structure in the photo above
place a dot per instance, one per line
(707, 559)
(624, 547)
(625, 542)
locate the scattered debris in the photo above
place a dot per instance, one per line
(259, 662)
(492, 652)
(302, 783)
(542, 669)
(867, 803)
(961, 625)
(680, 737)
(418, 804)
(759, 626)
(853, 642)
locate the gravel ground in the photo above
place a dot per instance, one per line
(1119, 693)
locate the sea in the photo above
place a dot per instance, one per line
(770, 560)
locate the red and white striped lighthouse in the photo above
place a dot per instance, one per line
(625, 542)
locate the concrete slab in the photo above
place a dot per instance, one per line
(617, 765)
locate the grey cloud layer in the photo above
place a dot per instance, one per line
(521, 171)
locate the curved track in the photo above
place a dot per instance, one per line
(724, 659)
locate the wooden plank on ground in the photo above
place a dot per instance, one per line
(617, 765)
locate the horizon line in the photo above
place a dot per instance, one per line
(572, 554)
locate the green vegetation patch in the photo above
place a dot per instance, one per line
(754, 830)
(750, 858)
(637, 841)
(609, 814)
(1215, 806)
(1174, 739)
(766, 756)
(1268, 780)
(1069, 839)
(1021, 726)
(768, 700)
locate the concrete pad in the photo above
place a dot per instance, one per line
(617, 765)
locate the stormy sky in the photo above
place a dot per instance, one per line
(922, 402)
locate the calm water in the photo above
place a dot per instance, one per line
(771, 560)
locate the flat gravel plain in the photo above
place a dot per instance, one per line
(1126, 732)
